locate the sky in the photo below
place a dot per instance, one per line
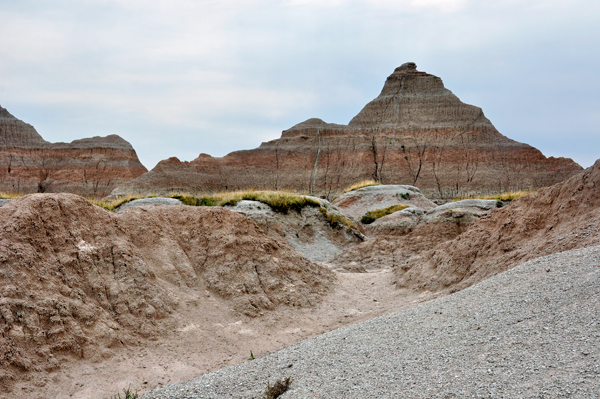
(182, 77)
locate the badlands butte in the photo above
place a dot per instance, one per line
(478, 297)
(415, 132)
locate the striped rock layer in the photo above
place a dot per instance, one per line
(415, 132)
(92, 166)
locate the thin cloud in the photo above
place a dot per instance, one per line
(225, 75)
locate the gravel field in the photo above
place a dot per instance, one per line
(531, 332)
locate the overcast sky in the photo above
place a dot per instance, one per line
(182, 77)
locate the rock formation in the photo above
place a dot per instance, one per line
(396, 237)
(559, 218)
(415, 132)
(92, 166)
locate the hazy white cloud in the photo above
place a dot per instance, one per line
(182, 77)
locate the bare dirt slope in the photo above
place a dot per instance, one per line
(78, 282)
(557, 218)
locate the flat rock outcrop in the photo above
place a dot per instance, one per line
(77, 279)
(92, 166)
(416, 132)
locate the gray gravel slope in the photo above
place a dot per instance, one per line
(531, 332)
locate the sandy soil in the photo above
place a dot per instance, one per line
(210, 335)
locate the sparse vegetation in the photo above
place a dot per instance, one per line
(112, 203)
(277, 389)
(405, 196)
(364, 183)
(129, 394)
(336, 220)
(509, 195)
(193, 200)
(280, 201)
(505, 196)
(372, 216)
(252, 356)
(10, 195)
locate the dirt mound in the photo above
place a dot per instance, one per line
(558, 218)
(76, 279)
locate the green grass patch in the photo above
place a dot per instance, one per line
(372, 216)
(279, 201)
(336, 220)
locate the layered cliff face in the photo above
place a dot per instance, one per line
(415, 132)
(92, 166)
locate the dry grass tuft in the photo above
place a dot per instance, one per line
(364, 183)
(372, 216)
(10, 195)
(509, 195)
(112, 203)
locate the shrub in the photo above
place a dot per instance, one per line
(277, 389)
(372, 216)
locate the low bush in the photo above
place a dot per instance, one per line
(372, 216)
(277, 389)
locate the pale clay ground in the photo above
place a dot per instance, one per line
(210, 336)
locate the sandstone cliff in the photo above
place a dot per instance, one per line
(91, 166)
(415, 132)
